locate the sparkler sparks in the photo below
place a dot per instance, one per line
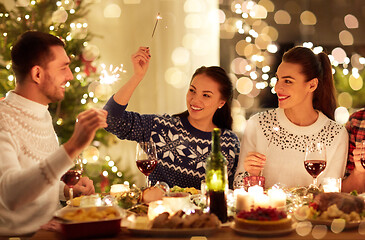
(111, 75)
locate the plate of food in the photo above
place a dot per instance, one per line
(177, 225)
(336, 210)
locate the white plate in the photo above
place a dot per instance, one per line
(262, 233)
(348, 225)
(164, 232)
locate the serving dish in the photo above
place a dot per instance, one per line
(339, 222)
(89, 228)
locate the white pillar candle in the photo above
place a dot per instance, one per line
(244, 201)
(277, 197)
(255, 190)
(261, 200)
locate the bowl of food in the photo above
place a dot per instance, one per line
(86, 222)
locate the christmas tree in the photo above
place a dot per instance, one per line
(64, 19)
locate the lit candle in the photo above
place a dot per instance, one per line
(118, 189)
(255, 190)
(244, 201)
(156, 208)
(216, 182)
(261, 200)
(277, 197)
(332, 185)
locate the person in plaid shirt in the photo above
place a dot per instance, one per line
(355, 172)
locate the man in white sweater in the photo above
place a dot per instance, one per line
(31, 160)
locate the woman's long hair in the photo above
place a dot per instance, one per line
(316, 66)
(223, 116)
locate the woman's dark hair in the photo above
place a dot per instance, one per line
(316, 66)
(32, 48)
(222, 117)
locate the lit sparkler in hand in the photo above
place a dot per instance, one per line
(154, 28)
(111, 75)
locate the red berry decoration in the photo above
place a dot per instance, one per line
(262, 214)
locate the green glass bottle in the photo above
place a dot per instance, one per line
(216, 178)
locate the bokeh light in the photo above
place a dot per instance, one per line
(341, 115)
(282, 17)
(346, 38)
(338, 225)
(345, 99)
(319, 231)
(176, 78)
(112, 11)
(339, 55)
(269, 5)
(193, 6)
(356, 82)
(303, 228)
(244, 85)
(308, 18)
(180, 56)
(193, 21)
(351, 21)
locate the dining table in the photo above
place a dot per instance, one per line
(225, 232)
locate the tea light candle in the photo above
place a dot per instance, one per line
(332, 185)
(244, 201)
(261, 200)
(116, 189)
(277, 197)
(156, 208)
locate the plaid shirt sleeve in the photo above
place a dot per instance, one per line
(356, 129)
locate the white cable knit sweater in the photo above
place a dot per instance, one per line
(31, 165)
(285, 154)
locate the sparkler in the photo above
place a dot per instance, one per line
(154, 28)
(112, 75)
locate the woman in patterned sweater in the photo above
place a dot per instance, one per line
(183, 141)
(274, 141)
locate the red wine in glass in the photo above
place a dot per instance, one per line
(146, 158)
(146, 166)
(71, 177)
(315, 167)
(315, 160)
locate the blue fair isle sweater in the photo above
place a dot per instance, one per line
(181, 148)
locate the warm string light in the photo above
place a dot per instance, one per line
(111, 75)
(154, 28)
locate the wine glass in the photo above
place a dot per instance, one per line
(146, 158)
(72, 176)
(315, 160)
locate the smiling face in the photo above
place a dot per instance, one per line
(56, 74)
(292, 89)
(203, 99)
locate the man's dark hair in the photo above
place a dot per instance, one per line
(32, 48)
